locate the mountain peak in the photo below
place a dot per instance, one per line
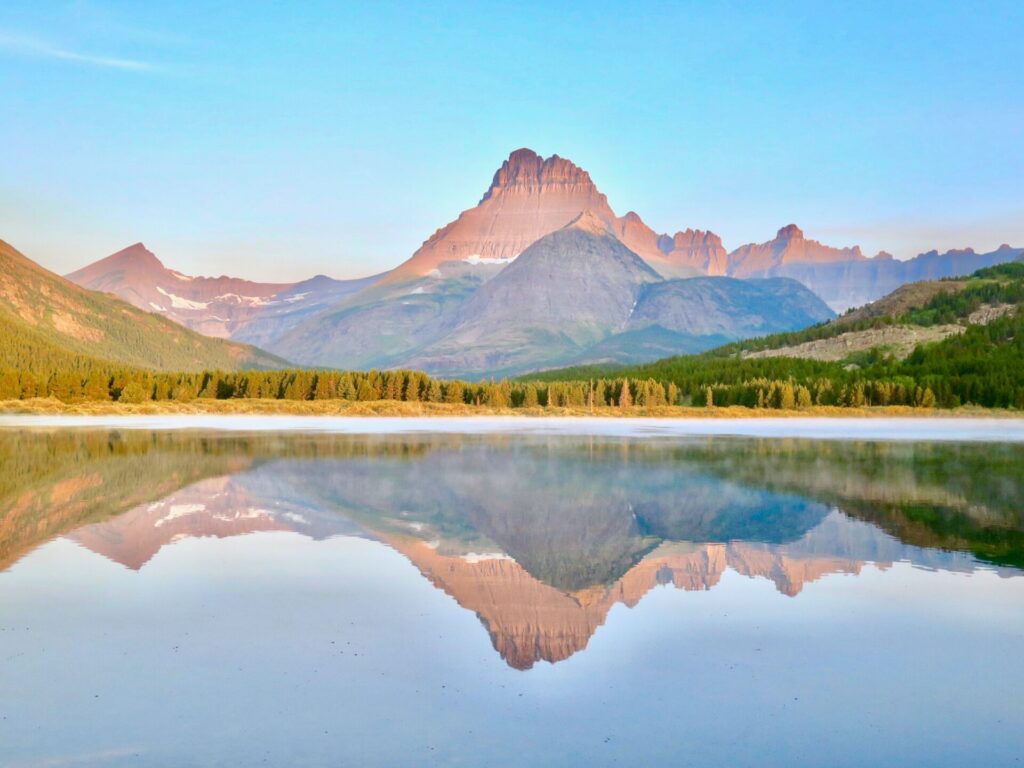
(527, 170)
(790, 232)
(590, 222)
(136, 257)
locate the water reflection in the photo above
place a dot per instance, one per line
(538, 536)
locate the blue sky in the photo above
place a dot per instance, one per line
(277, 140)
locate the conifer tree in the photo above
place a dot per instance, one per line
(625, 397)
(434, 391)
(454, 392)
(530, 399)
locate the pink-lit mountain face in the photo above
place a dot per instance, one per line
(530, 197)
(789, 246)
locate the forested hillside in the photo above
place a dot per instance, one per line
(982, 365)
(48, 324)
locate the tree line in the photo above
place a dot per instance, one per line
(134, 386)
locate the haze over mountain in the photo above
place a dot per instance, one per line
(224, 307)
(47, 319)
(569, 297)
(843, 284)
(462, 305)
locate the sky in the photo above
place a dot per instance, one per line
(276, 141)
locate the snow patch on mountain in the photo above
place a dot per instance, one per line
(476, 259)
(179, 303)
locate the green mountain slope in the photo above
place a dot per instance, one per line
(47, 322)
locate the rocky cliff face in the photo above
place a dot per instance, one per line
(686, 254)
(789, 246)
(531, 197)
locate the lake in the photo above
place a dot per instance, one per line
(237, 594)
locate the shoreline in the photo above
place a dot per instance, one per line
(406, 409)
(900, 425)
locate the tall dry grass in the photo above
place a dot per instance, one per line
(409, 409)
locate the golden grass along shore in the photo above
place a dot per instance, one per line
(350, 408)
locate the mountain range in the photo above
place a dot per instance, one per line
(540, 273)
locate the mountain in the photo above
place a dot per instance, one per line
(439, 309)
(577, 294)
(789, 246)
(853, 283)
(530, 197)
(222, 307)
(565, 292)
(48, 320)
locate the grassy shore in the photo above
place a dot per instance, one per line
(51, 406)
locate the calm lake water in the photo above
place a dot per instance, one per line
(215, 598)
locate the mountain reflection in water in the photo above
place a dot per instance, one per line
(538, 536)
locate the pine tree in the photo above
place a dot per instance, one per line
(434, 391)
(803, 397)
(787, 396)
(454, 392)
(133, 392)
(366, 392)
(625, 397)
(530, 399)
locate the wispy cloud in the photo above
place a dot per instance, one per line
(29, 46)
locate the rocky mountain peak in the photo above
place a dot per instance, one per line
(526, 170)
(690, 238)
(790, 232)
